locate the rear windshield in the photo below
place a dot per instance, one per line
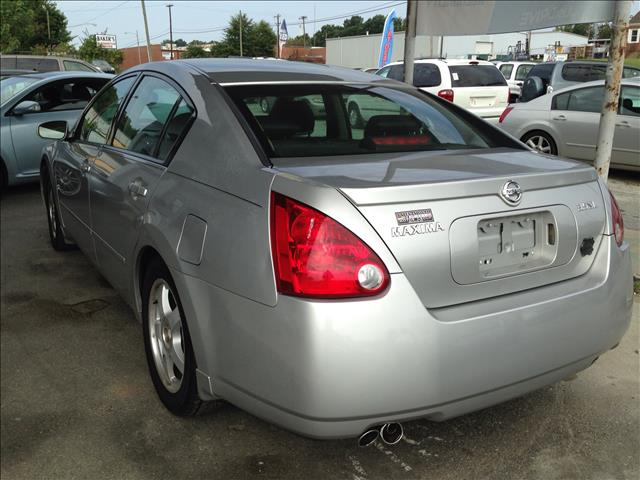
(476, 76)
(328, 120)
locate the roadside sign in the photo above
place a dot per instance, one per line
(106, 41)
(386, 45)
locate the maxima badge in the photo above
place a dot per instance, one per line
(511, 192)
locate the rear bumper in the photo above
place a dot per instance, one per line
(331, 369)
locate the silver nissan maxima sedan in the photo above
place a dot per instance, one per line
(332, 279)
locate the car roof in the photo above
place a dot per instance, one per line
(446, 61)
(240, 70)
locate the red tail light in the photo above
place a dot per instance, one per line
(314, 256)
(504, 114)
(618, 223)
(447, 94)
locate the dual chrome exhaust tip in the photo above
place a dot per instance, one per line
(390, 433)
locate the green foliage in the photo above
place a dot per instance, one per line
(605, 31)
(584, 29)
(23, 26)
(355, 26)
(89, 50)
(177, 42)
(194, 51)
(258, 39)
(300, 40)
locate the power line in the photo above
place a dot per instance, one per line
(319, 20)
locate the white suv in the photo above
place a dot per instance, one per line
(515, 73)
(475, 85)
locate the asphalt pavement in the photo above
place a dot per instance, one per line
(77, 401)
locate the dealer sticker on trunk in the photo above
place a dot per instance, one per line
(415, 222)
(414, 216)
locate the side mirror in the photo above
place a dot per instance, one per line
(26, 106)
(55, 130)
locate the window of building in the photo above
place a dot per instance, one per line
(634, 35)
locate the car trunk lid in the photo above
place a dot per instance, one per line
(455, 238)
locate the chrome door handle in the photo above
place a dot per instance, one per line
(136, 189)
(562, 118)
(623, 124)
(85, 167)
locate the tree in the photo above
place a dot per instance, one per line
(263, 40)
(24, 26)
(89, 50)
(584, 29)
(258, 40)
(177, 43)
(356, 26)
(300, 40)
(195, 51)
(605, 31)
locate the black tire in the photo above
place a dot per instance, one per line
(355, 117)
(540, 141)
(56, 236)
(185, 401)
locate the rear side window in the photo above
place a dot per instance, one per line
(630, 101)
(141, 125)
(506, 70)
(544, 71)
(476, 76)
(354, 121)
(628, 72)
(424, 74)
(38, 64)
(70, 65)
(582, 100)
(583, 73)
(97, 121)
(523, 71)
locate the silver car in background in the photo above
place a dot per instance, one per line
(566, 123)
(26, 100)
(327, 278)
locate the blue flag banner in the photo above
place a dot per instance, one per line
(386, 45)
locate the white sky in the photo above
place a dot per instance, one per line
(205, 20)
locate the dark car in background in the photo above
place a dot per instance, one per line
(103, 66)
(552, 76)
(44, 63)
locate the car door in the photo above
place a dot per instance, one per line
(125, 175)
(626, 143)
(74, 159)
(56, 102)
(575, 115)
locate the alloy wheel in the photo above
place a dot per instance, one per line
(539, 143)
(166, 335)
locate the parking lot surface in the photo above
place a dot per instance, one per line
(77, 401)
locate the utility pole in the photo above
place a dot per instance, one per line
(304, 36)
(613, 76)
(240, 19)
(277, 17)
(48, 26)
(146, 31)
(170, 30)
(410, 40)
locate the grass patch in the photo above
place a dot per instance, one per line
(628, 62)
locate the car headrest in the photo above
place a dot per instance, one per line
(392, 125)
(298, 113)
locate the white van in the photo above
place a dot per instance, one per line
(475, 85)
